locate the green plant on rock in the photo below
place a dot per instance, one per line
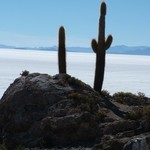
(146, 110)
(84, 107)
(139, 112)
(135, 114)
(105, 94)
(81, 98)
(84, 102)
(100, 115)
(124, 97)
(61, 51)
(75, 82)
(100, 47)
(20, 147)
(24, 73)
(3, 147)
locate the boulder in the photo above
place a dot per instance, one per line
(62, 112)
(43, 110)
(141, 142)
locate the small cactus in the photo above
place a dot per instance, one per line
(100, 47)
(61, 51)
(24, 73)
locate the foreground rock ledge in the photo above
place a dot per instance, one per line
(39, 110)
(42, 110)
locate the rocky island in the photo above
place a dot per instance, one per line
(43, 111)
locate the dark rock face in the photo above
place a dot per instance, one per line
(41, 110)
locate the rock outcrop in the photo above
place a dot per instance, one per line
(39, 110)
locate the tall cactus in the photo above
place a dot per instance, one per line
(100, 47)
(61, 51)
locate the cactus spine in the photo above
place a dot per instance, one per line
(100, 47)
(61, 51)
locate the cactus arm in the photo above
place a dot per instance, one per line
(94, 45)
(108, 42)
(61, 51)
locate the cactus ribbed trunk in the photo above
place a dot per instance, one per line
(99, 72)
(100, 48)
(61, 51)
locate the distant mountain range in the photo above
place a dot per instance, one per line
(134, 50)
(121, 49)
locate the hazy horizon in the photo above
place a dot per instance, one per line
(24, 46)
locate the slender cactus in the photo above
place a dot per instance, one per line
(61, 51)
(100, 48)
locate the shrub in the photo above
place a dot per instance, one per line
(84, 102)
(139, 113)
(62, 83)
(140, 94)
(20, 147)
(124, 98)
(3, 147)
(84, 107)
(131, 99)
(74, 81)
(135, 114)
(24, 73)
(79, 97)
(100, 115)
(71, 81)
(146, 110)
(146, 113)
(105, 94)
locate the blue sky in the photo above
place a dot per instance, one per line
(36, 22)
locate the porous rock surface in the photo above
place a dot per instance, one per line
(43, 110)
(61, 112)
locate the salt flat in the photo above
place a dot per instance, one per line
(128, 73)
